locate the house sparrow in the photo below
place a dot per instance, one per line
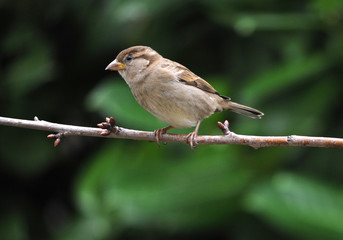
(171, 92)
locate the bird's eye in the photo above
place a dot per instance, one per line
(129, 58)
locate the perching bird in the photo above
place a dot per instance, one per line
(171, 92)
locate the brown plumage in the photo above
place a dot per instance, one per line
(171, 92)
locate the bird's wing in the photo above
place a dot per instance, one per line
(185, 76)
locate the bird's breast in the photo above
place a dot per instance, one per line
(179, 105)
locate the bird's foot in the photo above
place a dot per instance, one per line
(158, 133)
(108, 127)
(191, 139)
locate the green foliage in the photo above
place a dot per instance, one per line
(167, 194)
(282, 57)
(299, 205)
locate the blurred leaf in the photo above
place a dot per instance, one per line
(13, 227)
(299, 205)
(25, 154)
(334, 47)
(284, 76)
(247, 23)
(310, 118)
(300, 115)
(169, 193)
(34, 64)
(94, 228)
(329, 10)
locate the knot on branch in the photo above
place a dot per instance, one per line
(57, 137)
(291, 138)
(108, 127)
(224, 127)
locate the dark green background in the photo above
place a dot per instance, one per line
(282, 57)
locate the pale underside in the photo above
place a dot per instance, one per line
(172, 101)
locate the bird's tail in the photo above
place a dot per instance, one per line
(245, 110)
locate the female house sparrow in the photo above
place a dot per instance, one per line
(171, 92)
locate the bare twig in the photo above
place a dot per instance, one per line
(118, 132)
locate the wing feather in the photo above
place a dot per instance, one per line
(187, 77)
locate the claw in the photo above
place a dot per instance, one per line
(191, 138)
(158, 133)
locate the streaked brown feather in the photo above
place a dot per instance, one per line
(187, 77)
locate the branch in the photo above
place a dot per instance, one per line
(119, 132)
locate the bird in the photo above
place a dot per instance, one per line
(171, 92)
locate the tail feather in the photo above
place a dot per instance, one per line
(245, 110)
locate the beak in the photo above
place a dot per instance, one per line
(115, 66)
